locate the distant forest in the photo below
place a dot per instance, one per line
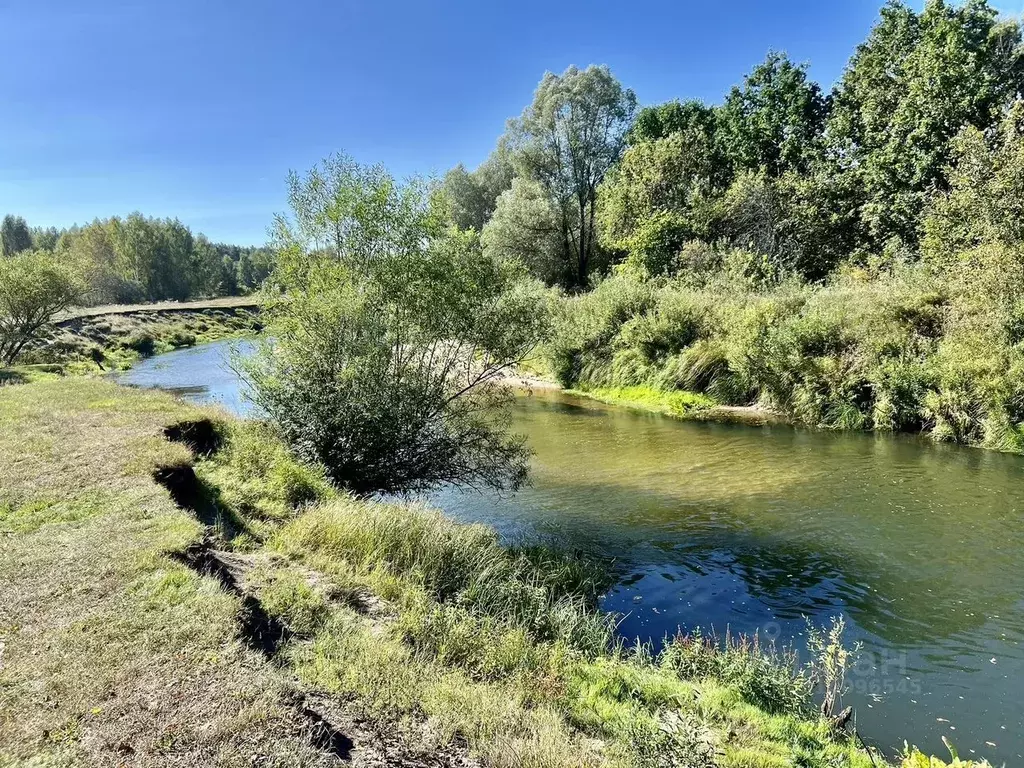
(138, 258)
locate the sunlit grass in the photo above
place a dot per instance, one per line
(673, 403)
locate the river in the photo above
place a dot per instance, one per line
(919, 546)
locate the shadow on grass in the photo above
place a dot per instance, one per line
(9, 377)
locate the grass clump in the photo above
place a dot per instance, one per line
(915, 758)
(544, 593)
(673, 403)
(761, 675)
(140, 341)
(258, 481)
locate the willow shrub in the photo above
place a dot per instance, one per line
(388, 333)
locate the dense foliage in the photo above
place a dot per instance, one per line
(536, 197)
(801, 179)
(137, 259)
(389, 332)
(852, 259)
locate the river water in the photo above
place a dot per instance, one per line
(919, 546)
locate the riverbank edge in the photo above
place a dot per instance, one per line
(94, 341)
(679, 404)
(297, 587)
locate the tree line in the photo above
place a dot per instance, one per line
(139, 258)
(780, 179)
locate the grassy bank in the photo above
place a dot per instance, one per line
(116, 339)
(908, 349)
(114, 652)
(142, 632)
(676, 403)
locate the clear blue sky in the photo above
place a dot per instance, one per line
(197, 109)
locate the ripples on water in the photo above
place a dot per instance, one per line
(920, 546)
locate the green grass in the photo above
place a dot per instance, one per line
(113, 652)
(504, 669)
(423, 629)
(673, 403)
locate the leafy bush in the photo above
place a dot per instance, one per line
(763, 676)
(385, 354)
(674, 740)
(586, 325)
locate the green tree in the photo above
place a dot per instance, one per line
(389, 330)
(797, 224)
(659, 196)
(526, 226)
(905, 95)
(14, 235)
(254, 266)
(567, 140)
(774, 121)
(474, 195)
(985, 200)
(34, 287)
(662, 120)
(230, 271)
(45, 239)
(204, 268)
(173, 265)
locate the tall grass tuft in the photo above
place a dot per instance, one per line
(765, 676)
(552, 596)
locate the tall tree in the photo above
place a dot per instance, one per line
(662, 120)
(985, 200)
(659, 196)
(774, 120)
(526, 227)
(45, 238)
(567, 140)
(473, 196)
(15, 236)
(906, 93)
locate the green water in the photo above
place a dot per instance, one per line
(920, 546)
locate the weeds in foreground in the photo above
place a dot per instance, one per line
(915, 758)
(830, 661)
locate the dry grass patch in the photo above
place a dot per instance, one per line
(114, 653)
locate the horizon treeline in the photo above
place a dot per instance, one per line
(780, 179)
(139, 258)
